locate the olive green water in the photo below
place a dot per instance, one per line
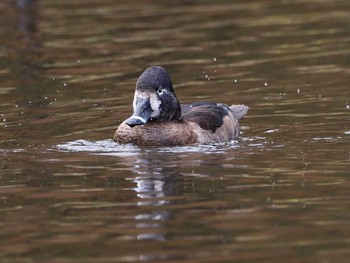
(68, 193)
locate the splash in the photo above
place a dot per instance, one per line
(109, 147)
(98, 147)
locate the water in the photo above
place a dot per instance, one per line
(68, 193)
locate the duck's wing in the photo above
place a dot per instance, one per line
(209, 116)
(185, 108)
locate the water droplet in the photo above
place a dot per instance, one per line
(45, 97)
(235, 81)
(347, 106)
(65, 84)
(265, 84)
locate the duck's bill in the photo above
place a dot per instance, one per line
(142, 112)
(135, 120)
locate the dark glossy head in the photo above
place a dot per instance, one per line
(154, 98)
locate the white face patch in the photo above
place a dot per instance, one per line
(134, 101)
(155, 105)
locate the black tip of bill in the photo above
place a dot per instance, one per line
(135, 120)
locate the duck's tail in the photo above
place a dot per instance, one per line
(239, 110)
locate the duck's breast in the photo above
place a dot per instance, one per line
(156, 134)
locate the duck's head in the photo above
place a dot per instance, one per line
(154, 98)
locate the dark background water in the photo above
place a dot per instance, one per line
(68, 193)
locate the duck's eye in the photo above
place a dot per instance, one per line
(160, 91)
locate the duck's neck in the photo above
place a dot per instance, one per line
(177, 114)
(170, 112)
(177, 111)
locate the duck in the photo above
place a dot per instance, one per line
(158, 118)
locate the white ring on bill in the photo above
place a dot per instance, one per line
(138, 118)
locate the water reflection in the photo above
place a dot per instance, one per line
(28, 40)
(155, 184)
(27, 15)
(282, 194)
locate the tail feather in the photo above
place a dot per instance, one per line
(239, 110)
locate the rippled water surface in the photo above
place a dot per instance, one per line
(68, 193)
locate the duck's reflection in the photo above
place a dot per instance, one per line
(29, 40)
(156, 186)
(27, 15)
